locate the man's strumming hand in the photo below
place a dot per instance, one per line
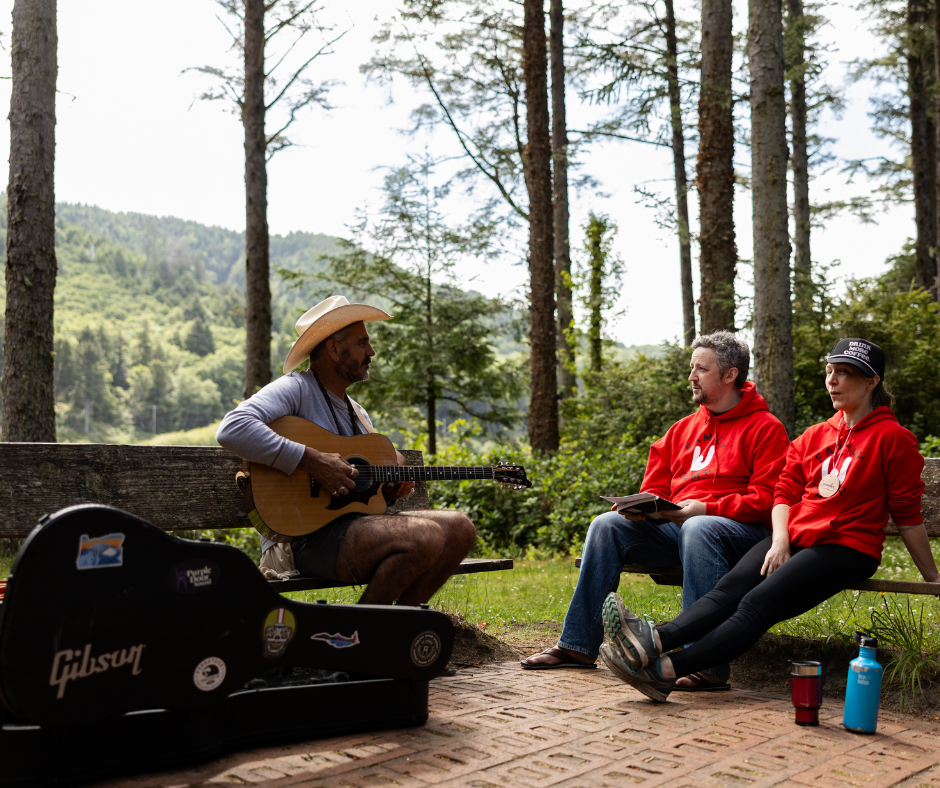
(335, 475)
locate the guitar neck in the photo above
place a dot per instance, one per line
(417, 473)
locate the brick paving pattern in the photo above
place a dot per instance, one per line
(502, 726)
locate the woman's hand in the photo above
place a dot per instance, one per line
(777, 556)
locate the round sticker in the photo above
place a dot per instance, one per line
(425, 649)
(209, 674)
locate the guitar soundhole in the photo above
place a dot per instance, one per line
(363, 481)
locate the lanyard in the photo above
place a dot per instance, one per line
(352, 416)
(835, 465)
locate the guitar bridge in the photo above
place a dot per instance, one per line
(314, 488)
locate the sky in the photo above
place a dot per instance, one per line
(132, 136)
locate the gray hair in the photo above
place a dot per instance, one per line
(339, 336)
(730, 352)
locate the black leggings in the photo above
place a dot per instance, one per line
(731, 617)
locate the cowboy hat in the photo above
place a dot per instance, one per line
(324, 320)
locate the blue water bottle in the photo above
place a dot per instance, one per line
(863, 690)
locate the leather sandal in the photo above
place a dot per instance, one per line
(566, 661)
(701, 683)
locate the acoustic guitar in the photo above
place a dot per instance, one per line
(297, 505)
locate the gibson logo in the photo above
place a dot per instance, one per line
(69, 665)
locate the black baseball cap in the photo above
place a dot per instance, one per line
(865, 355)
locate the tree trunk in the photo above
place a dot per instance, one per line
(595, 234)
(566, 346)
(431, 392)
(925, 269)
(715, 170)
(543, 399)
(936, 140)
(773, 335)
(28, 385)
(257, 276)
(802, 261)
(678, 159)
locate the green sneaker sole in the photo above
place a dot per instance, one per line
(633, 652)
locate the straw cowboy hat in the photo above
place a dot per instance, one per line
(324, 320)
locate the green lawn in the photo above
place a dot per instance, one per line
(539, 591)
(511, 603)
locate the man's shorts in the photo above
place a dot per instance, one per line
(316, 555)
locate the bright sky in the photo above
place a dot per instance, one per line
(130, 137)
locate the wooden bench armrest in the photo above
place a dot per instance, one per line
(468, 566)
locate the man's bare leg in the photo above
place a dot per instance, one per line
(459, 536)
(407, 556)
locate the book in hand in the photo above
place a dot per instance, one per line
(643, 503)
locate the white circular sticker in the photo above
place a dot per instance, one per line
(425, 649)
(209, 674)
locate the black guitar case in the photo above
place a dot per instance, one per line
(112, 631)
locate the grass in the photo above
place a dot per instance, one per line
(513, 605)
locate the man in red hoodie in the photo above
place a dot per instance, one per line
(721, 465)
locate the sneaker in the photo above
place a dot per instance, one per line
(646, 680)
(632, 635)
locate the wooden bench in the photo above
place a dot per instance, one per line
(672, 575)
(176, 488)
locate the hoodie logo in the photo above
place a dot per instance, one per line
(698, 463)
(842, 471)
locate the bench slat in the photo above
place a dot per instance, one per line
(672, 576)
(468, 566)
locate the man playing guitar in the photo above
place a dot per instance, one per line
(405, 556)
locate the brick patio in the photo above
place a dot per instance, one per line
(501, 726)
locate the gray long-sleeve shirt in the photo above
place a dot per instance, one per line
(245, 430)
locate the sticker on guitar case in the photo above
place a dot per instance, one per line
(100, 552)
(425, 649)
(337, 640)
(278, 631)
(193, 576)
(209, 674)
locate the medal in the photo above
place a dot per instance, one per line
(829, 485)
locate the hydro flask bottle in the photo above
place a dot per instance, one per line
(806, 678)
(863, 690)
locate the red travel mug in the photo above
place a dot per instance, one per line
(806, 691)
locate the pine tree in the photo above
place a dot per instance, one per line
(199, 339)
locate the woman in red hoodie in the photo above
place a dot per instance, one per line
(842, 480)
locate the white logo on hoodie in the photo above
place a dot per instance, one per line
(842, 471)
(698, 462)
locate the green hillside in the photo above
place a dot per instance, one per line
(149, 319)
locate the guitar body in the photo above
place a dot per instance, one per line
(296, 505)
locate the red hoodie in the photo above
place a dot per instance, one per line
(879, 474)
(729, 461)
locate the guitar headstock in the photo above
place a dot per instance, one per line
(511, 476)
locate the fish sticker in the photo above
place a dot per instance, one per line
(100, 552)
(337, 640)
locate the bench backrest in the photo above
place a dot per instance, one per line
(182, 488)
(177, 488)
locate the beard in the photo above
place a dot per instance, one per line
(350, 370)
(700, 397)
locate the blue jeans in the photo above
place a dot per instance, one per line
(706, 546)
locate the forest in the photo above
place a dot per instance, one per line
(158, 326)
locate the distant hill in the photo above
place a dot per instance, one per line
(149, 315)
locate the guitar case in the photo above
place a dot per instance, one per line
(124, 648)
